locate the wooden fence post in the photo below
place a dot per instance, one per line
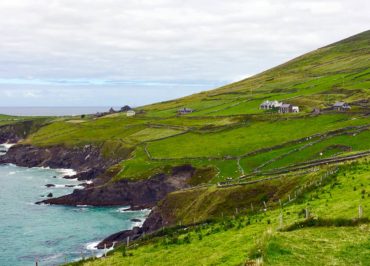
(360, 211)
(281, 222)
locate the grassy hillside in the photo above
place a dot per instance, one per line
(7, 119)
(271, 189)
(228, 132)
(275, 234)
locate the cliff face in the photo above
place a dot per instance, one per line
(137, 194)
(15, 132)
(87, 161)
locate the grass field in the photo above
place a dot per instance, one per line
(260, 234)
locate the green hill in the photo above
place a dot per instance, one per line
(228, 131)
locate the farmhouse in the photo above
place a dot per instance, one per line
(267, 105)
(131, 113)
(341, 106)
(288, 108)
(285, 108)
(184, 111)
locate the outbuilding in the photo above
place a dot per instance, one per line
(131, 113)
(341, 106)
(184, 111)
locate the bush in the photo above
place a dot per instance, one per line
(320, 222)
(187, 239)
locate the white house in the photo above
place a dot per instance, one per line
(288, 108)
(130, 113)
(267, 105)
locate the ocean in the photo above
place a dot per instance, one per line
(54, 111)
(51, 234)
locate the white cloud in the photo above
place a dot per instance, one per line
(171, 40)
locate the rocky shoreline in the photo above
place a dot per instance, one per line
(90, 165)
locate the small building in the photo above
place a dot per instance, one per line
(285, 108)
(341, 106)
(288, 108)
(184, 111)
(125, 108)
(267, 105)
(130, 113)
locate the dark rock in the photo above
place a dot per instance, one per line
(135, 220)
(49, 185)
(139, 194)
(69, 185)
(87, 161)
(14, 132)
(88, 174)
(50, 195)
(125, 108)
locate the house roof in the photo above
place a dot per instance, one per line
(285, 105)
(340, 104)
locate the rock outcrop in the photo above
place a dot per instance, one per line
(87, 161)
(14, 132)
(137, 194)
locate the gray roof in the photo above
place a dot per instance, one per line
(285, 105)
(185, 110)
(339, 104)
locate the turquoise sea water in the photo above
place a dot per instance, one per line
(50, 234)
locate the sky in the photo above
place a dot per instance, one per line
(112, 53)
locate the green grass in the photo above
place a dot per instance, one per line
(250, 236)
(8, 120)
(328, 148)
(332, 246)
(256, 135)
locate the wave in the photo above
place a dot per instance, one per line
(92, 246)
(124, 209)
(7, 146)
(67, 172)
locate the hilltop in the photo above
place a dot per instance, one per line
(224, 161)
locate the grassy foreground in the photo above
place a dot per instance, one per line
(276, 235)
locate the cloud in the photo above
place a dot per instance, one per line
(161, 41)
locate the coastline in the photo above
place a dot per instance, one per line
(60, 173)
(98, 191)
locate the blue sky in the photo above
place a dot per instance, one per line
(112, 53)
